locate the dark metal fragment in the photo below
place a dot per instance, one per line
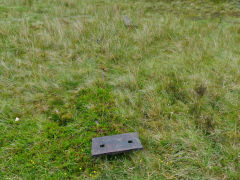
(115, 144)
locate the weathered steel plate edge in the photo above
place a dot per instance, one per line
(115, 144)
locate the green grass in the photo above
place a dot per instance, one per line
(173, 76)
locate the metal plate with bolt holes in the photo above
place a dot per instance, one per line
(115, 144)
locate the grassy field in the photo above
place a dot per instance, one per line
(172, 75)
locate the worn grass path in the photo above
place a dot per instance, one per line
(172, 75)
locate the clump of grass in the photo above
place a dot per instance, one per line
(66, 138)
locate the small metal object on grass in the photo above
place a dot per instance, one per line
(115, 144)
(103, 76)
(127, 21)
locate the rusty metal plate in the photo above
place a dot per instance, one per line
(115, 144)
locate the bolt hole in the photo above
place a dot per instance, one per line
(130, 141)
(102, 145)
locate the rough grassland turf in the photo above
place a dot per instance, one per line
(71, 70)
